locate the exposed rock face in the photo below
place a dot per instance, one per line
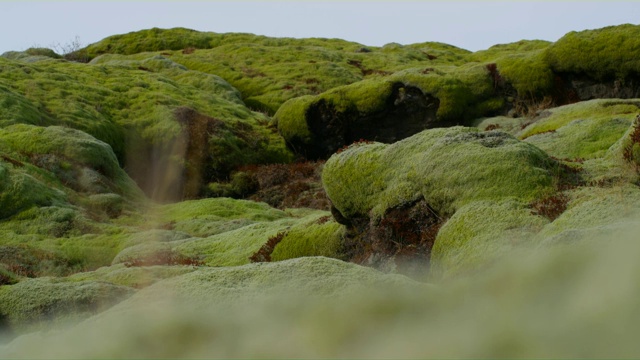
(407, 112)
(399, 241)
(571, 88)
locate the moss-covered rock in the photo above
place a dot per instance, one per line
(482, 232)
(394, 198)
(373, 110)
(609, 52)
(447, 167)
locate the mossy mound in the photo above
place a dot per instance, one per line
(481, 232)
(447, 167)
(605, 53)
(41, 303)
(78, 160)
(394, 199)
(157, 116)
(388, 109)
(20, 191)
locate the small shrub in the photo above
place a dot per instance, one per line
(550, 207)
(264, 254)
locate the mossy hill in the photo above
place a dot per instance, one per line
(225, 194)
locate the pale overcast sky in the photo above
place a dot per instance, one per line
(472, 25)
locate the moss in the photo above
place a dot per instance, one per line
(133, 277)
(319, 236)
(592, 213)
(35, 304)
(465, 92)
(233, 247)
(145, 253)
(314, 276)
(605, 53)
(131, 105)
(506, 124)
(15, 108)
(447, 167)
(291, 119)
(597, 109)
(479, 233)
(211, 216)
(500, 50)
(20, 191)
(528, 73)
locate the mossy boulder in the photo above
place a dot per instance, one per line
(394, 198)
(482, 232)
(371, 110)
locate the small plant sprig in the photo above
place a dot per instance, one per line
(264, 254)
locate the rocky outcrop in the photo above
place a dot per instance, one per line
(406, 112)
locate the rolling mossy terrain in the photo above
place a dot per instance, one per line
(235, 195)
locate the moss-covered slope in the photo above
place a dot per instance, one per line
(157, 116)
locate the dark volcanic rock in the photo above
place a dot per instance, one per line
(408, 111)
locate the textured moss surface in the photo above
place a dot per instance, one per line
(447, 167)
(610, 52)
(39, 303)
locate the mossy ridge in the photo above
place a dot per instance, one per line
(609, 52)
(282, 71)
(457, 166)
(42, 303)
(133, 277)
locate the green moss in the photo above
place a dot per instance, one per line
(481, 232)
(592, 213)
(15, 108)
(134, 277)
(500, 50)
(131, 105)
(317, 236)
(40, 303)
(211, 216)
(465, 92)
(584, 130)
(234, 247)
(528, 73)
(20, 191)
(448, 167)
(605, 53)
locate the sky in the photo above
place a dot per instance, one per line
(472, 25)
